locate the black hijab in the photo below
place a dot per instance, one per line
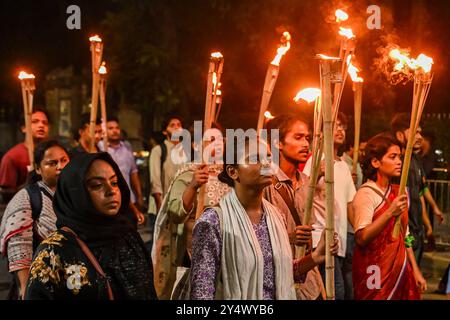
(74, 208)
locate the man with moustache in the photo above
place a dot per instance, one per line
(124, 158)
(289, 190)
(15, 162)
(84, 138)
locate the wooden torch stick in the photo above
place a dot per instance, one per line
(27, 85)
(420, 93)
(269, 84)
(315, 165)
(214, 65)
(328, 127)
(357, 89)
(96, 56)
(102, 72)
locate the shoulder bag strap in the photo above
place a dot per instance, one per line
(92, 259)
(289, 200)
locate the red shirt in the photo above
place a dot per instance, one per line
(13, 169)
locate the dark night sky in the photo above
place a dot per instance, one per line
(34, 34)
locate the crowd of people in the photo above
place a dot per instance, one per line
(227, 230)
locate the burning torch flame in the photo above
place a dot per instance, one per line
(283, 48)
(424, 62)
(95, 38)
(324, 57)
(346, 32)
(341, 15)
(308, 94)
(353, 71)
(216, 55)
(23, 75)
(102, 69)
(268, 115)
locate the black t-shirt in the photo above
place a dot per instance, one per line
(416, 185)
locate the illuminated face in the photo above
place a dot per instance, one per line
(174, 125)
(39, 125)
(254, 169)
(113, 130)
(339, 133)
(103, 188)
(295, 146)
(390, 164)
(55, 159)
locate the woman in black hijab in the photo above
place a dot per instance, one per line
(96, 253)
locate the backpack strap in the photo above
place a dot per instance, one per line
(34, 192)
(92, 259)
(288, 198)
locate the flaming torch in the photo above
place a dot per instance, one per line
(330, 72)
(312, 95)
(272, 76)
(214, 74)
(357, 100)
(421, 68)
(96, 57)
(341, 15)
(28, 87)
(102, 72)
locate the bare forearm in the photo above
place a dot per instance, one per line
(364, 236)
(350, 214)
(22, 276)
(189, 196)
(426, 219)
(158, 200)
(136, 185)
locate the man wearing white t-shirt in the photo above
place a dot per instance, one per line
(344, 191)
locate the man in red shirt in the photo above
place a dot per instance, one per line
(15, 162)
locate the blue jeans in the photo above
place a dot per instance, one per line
(339, 287)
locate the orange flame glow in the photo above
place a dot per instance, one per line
(23, 75)
(404, 61)
(341, 15)
(346, 32)
(102, 69)
(95, 38)
(353, 71)
(283, 48)
(216, 55)
(308, 94)
(268, 115)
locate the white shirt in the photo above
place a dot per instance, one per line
(366, 202)
(344, 191)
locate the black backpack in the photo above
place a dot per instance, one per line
(35, 193)
(36, 201)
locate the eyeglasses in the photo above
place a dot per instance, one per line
(341, 126)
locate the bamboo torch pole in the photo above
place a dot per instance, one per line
(102, 72)
(420, 93)
(328, 129)
(315, 158)
(96, 56)
(271, 78)
(215, 66)
(357, 89)
(28, 87)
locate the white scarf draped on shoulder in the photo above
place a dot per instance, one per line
(242, 263)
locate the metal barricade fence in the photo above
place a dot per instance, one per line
(440, 189)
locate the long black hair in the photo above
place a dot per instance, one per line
(39, 153)
(376, 148)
